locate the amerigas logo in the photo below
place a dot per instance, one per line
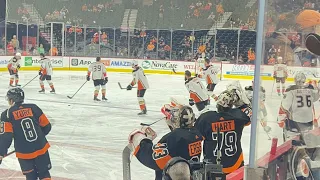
(163, 65)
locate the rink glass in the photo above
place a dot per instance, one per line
(281, 32)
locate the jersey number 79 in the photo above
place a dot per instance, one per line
(227, 140)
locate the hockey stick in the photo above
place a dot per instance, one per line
(123, 87)
(9, 153)
(30, 81)
(126, 163)
(273, 87)
(70, 97)
(143, 124)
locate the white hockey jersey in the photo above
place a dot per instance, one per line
(280, 70)
(298, 103)
(140, 79)
(13, 64)
(197, 90)
(249, 93)
(210, 74)
(98, 70)
(46, 66)
(199, 64)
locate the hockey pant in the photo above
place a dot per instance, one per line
(97, 84)
(14, 77)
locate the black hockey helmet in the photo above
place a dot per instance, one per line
(187, 73)
(42, 55)
(98, 59)
(16, 95)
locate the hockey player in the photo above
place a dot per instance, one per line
(210, 74)
(13, 68)
(227, 123)
(197, 91)
(280, 74)
(99, 77)
(184, 141)
(141, 80)
(296, 110)
(262, 115)
(45, 73)
(27, 126)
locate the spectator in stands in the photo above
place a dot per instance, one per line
(15, 42)
(191, 7)
(41, 49)
(161, 11)
(272, 51)
(53, 51)
(207, 7)
(48, 17)
(24, 18)
(63, 12)
(211, 16)
(84, 8)
(150, 47)
(10, 49)
(251, 56)
(202, 49)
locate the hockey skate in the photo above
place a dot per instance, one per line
(42, 91)
(53, 91)
(143, 112)
(104, 98)
(96, 99)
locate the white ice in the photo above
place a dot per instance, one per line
(87, 137)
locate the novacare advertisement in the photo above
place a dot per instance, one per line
(159, 65)
(36, 61)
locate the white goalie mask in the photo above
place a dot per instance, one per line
(300, 79)
(182, 117)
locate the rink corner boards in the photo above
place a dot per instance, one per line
(122, 70)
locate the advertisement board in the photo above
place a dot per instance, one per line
(33, 61)
(159, 65)
(237, 71)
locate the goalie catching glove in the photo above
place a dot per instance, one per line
(137, 135)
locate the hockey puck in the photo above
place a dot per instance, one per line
(69, 105)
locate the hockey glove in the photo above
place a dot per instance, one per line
(106, 80)
(17, 76)
(40, 73)
(18, 67)
(129, 87)
(191, 102)
(88, 78)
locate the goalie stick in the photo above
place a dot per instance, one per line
(123, 87)
(126, 163)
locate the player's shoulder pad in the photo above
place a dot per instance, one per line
(248, 88)
(3, 116)
(292, 87)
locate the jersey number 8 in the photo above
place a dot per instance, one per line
(301, 103)
(29, 130)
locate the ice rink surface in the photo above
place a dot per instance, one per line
(87, 137)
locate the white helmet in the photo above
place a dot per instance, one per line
(134, 63)
(300, 78)
(18, 54)
(225, 99)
